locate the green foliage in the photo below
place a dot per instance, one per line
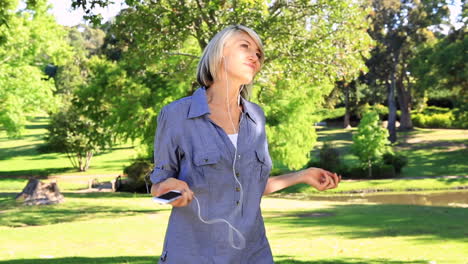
(335, 113)
(461, 116)
(30, 41)
(77, 136)
(23, 90)
(430, 110)
(329, 157)
(137, 174)
(370, 142)
(396, 160)
(70, 76)
(127, 104)
(441, 64)
(380, 109)
(308, 46)
(440, 117)
(434, 120)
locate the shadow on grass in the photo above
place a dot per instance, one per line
(82, 260)
(46, 156)
(17, 151)
(462, 180)
(37, 173)
(97, 195)
(38, 126)
(18, 215)
(380, 220)
(430, 163)
(154, 260)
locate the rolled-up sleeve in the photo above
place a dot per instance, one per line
(166, 158)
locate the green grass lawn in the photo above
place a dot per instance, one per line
(20, 157)
(386, 185)
(125, 228)
(430, 152)
(128, 228)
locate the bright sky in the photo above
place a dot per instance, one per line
(65, 16)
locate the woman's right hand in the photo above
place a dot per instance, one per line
(173, 184)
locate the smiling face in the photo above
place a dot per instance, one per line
(241, 59)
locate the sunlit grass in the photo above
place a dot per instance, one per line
(385, 185)
(126, 228)
(20, 157)
(430, 152)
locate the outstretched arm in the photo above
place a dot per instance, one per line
(318, 178)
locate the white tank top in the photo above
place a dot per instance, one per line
(233, 138)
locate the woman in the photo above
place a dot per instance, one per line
(212, 147)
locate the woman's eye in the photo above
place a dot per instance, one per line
(259, 55)
(244, 45)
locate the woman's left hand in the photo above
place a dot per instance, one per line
(320, 179)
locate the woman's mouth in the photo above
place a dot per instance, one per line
(251, 65)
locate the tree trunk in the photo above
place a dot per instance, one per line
(80, 161)
(404, 99)
(369, 164)
(391, 102)
(347, 110)
(89, 155)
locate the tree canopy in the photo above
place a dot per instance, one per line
(308, 46)
(30, 40)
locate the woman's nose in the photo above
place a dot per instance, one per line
(253, 56)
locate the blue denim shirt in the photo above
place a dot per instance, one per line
(189, 146)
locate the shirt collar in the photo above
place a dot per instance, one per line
(199, 105)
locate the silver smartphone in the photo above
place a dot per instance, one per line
(168, 197)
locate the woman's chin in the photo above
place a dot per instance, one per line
(247, 80)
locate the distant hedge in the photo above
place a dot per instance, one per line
(439, 117)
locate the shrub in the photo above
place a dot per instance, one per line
(419, 120)
(329, 157)
(76, 135)
(439, 120)
(379, 171)
(398, 161)
(353, 172)
(136, 173)
(383, 171)
(439, 117)
(430, 110)
(371, 141)
(461, 117)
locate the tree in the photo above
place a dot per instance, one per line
(398, 26)
(85, 42)
(441, 65)
(308, 46)
(78, 129)
(370, 142)
(78, 136)
(31, 39)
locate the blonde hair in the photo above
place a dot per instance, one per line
(211, 58)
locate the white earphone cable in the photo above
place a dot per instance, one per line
(241, 191)
(231, 228)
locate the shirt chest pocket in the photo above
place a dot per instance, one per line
(206, 167)
(264, 164)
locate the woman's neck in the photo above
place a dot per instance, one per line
(216, 95)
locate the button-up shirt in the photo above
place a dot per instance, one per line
(191, 147)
